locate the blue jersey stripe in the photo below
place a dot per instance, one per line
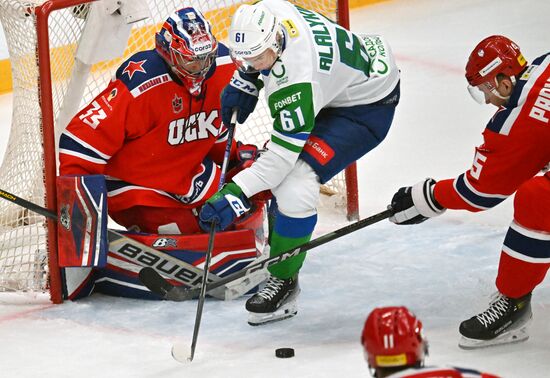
(69, 144)
(527, 246)
(476, 199)
(300, 136)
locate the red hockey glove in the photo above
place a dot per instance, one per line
(246, 155)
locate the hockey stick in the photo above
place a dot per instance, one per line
(153, 280)
(130, 249)
(178, 351)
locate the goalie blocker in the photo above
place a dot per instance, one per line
(94, 259)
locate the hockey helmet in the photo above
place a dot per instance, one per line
(187, 44)
(254, 29)
(392, 337)
(492, 56)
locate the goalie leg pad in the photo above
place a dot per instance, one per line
(82, 214)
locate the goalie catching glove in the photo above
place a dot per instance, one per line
(241, 93)
(414, 204)
(223, 208)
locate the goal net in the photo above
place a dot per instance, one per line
(50, 84)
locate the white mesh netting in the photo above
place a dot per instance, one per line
(23, 256)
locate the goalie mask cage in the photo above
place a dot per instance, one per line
(50, 85)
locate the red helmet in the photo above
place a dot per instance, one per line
(494, 55)
(392, 336)
(187, 44)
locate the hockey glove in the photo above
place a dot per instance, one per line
(242, 94)
(223, 208)
(246, 152)
(245, 156)
(412, 205)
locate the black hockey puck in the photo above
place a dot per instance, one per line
(284, 352)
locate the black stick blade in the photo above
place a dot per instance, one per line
(158, 285)
(154, 282)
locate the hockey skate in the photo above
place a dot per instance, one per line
(276, 301)
(504, 322)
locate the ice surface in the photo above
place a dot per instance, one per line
(443, 269)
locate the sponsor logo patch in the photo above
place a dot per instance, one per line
(291, 28)
(164, 243)
(319, 150)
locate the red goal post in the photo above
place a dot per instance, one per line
(51, 83)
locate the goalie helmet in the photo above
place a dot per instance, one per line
(187, 44)
(253, 30)
(392, 337)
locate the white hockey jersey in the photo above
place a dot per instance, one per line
(322, 65)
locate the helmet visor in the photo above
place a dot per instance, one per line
(262, 61)
(481, 93)
(243, 65)
(477, 94)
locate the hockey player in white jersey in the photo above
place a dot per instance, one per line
(332, 95)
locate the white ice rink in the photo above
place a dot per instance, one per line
(443, 269)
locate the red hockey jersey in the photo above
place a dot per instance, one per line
(515, 149)
(441, 372)
(149, 136)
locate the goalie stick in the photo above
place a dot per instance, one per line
(130, 249)
(157, 284)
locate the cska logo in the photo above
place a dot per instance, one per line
(197, 126)
(177, 104)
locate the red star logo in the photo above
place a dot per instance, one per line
(134, 67)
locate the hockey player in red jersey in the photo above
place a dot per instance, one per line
(514, 151)
(155, 132)
(395, 346)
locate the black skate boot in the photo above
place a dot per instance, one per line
(504, 322)
(276, 301)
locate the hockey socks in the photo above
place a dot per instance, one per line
(288, 233)
(277, 299)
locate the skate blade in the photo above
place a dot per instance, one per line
(511, 337)
(516, 334)
(288, 310)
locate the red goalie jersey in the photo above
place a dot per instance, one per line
(515, 148)
(155, 143)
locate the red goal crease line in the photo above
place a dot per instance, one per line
(66, 53)
(23, 314)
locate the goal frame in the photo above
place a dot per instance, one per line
(42, 13)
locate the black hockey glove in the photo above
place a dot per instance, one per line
(241, 93)
(414, 204)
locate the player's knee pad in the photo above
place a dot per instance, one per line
(298, 194)
(532, 204)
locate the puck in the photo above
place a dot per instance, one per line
(284, 352)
